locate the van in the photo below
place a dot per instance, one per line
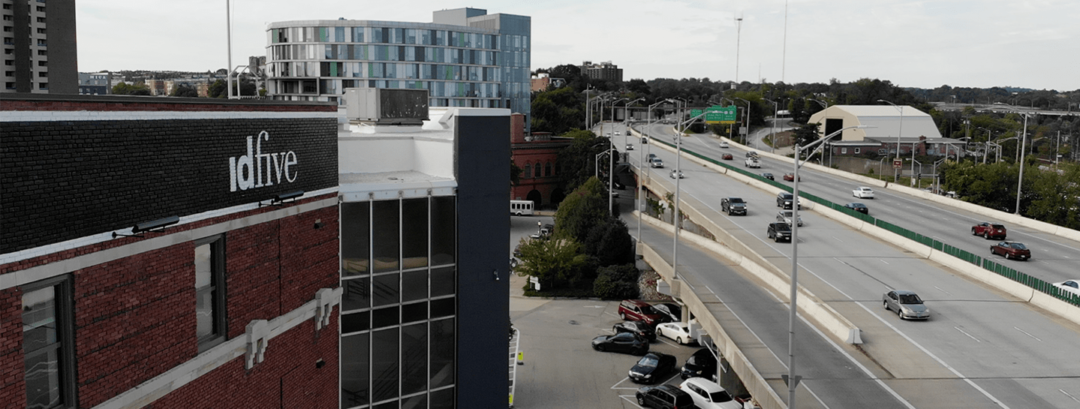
(637, 310)
(521, 207)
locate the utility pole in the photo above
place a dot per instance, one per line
(738, 41)
(783, 60)
(228, 40)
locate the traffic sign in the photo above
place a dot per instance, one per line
(898, 163)
(723, 115)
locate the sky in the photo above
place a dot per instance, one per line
(924, 44)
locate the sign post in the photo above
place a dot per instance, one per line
(898, 163)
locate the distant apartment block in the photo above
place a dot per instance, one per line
(603, 71)
(464, 58)
(95, 83)
(40, 53)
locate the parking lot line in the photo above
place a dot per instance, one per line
(632, 399)
(620, 382)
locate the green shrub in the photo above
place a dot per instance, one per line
(617, 282)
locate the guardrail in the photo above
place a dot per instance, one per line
(988, 265)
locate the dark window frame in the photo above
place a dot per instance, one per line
(65, 318)
(217, 278)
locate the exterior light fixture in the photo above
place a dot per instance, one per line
(496, 274)
(154, 226)
(280, 198)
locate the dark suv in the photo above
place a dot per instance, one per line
(664, 397)
(733, 205)
(784, 199)
(637, 310)
(701, 364)
(779, 232)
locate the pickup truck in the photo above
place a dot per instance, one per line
(733, 205)
(753, 162)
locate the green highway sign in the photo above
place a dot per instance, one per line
(723, 115)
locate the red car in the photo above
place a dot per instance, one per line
(637, 310)
(790, 177)
(1011, 249)
(727, 156)
(989, 230)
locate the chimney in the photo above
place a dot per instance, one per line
(517, 128)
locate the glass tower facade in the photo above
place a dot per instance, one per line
(482, 63)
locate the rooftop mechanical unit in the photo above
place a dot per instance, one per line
(380, 106)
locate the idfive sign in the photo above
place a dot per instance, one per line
(257, 169)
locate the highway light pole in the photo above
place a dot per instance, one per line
(627, 119)
(680, 127)
(642, 167)
(746, 119)
(1020, 183)
(896, 172)
(792, 379)
(611, 161)
(776, 109)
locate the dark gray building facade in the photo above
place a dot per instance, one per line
(40, 53)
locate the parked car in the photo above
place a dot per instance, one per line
(676, 331)
(651, 367)
(629, 147)
(701, 363)
(786, 215)
(723, 144)
(989, 230)
(907, 304)
(858, 207)
(1071, 286)
(708, 395)
(625, 342)
(638, 328)
(863, 192)
(768, 175)
(673, 172)
(733, 205)
(637, 310)
(779, 232)
(657, 163)
(790, 177)
(1011, 249)
(727, 156)
(671, 310)
(783, 199)
(663, 397)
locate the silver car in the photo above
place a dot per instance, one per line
(785, 216)
(907, 305)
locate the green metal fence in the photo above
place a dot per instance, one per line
(1004, 271)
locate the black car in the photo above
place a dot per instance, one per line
(671, 310)
(733, 205)
(639, 328)
(664, 397)
(779, 232)
(858, 207)
(701, 364)
(651, 367)
(625, 342)
(768, 175)
(784, 199)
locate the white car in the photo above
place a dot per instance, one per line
(785, 216)
(723, 144)
(863, 192)
(753, 162)
(675, 330)
(1072, 286)
(672, 174)
(708, 395)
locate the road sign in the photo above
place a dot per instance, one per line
(898, 163)
(721, 115)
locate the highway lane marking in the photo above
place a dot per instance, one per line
(942, 290)
(1067, 394)
(1028, 334)
(883, 261)
(969, 335)
(837, 239)
(935, 357)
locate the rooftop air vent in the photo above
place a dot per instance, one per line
(380, 106)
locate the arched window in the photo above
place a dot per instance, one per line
(547, 170)
(537, 169)
(528, 171)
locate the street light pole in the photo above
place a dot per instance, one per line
(776, 110)
(746, 119)
(896, 177)
(792, 379)
(642, 167)
(680, 127)
(1020, 183)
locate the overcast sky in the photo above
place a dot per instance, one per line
(926, 44)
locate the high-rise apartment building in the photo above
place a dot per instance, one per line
(603, 71)
(40, 54)
(464, 58)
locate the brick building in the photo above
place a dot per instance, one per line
(179, 253)
(536, 155)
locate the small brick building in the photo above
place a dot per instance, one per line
(536, 155)
(226, 295)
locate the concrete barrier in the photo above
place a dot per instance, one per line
(754, 382)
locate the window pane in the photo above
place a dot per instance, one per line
(387, 405)
(414, 312)
(355, 238)
(384, 364)
(39, 318)
(414, 285)
(354, 370)
(442, 308)
(443, 399)
(386, 235)
(204, 313)
(357, 321)
(203, 269)
(414, 231)
(414, 358)
(415, 402)
(386, 289)
(42, 380)
(384, 317)
(443, 234)
(442, 281)
(357, 294)
(442, 354)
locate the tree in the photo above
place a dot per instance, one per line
(515, 173)
(582, 210)
(557, 111)
(185, 91)
(806, 134)
(609, 242)
(217, 90)
(576, 163)
(128, 89)
(617, 282)
(553, 261)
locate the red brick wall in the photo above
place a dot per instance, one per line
(135, 317)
